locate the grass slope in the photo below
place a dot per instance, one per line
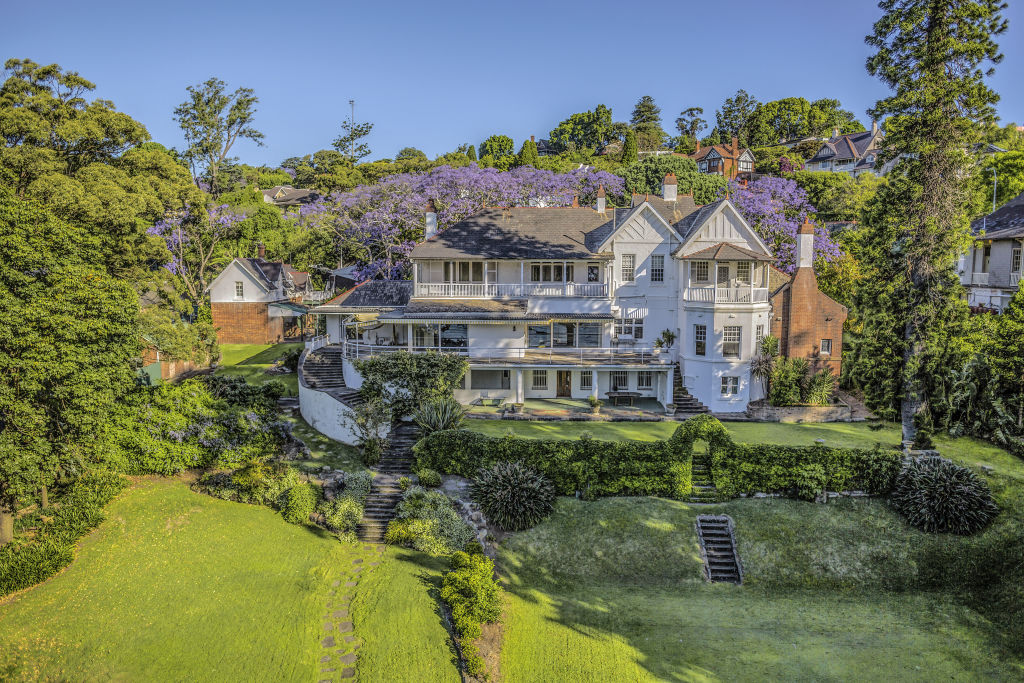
(177, 586)
(251, 361)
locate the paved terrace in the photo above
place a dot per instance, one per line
(623, 356)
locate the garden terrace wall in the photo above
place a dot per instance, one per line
(798, 414)
(592, 467)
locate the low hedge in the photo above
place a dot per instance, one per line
(802, 470)
(592, 467)
(24, 564)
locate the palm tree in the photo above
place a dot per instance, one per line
(763, 364)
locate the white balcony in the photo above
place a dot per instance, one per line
(514, 290)
(482, 355)
(979, 279)
(726, 295)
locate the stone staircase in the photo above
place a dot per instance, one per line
(681, 398)
(704, 490)
(324, 370)
(718, 547)
(385, 492)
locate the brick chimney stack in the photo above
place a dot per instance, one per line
(835, 132)
(600, 199)
(805, 245)
(735, 146)
(532, 139)
(669, 186)
(431, 227)
(575, 201)
(261, 251)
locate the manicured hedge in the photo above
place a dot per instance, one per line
(594, 468)
(24, 564)
(802, 470)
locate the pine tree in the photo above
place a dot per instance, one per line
(528, 154)
(1007, 352)
(471, 153)
(930, 52)
(629, 153)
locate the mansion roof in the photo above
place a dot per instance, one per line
(371, 295)
(1006, 222)
(724, 251)
(847, 146)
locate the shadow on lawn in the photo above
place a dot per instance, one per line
(267, 356)
(430, 580)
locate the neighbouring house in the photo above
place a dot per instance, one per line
(255, 301)
(158, 366)
(726, 160)
(569, 302)
(991, 269)
(286, 195)
(544, 147)
(853, 153)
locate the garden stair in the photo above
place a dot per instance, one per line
(718, 548)
(703, 490)
(385, 493)
(324, 370)
(684, 402)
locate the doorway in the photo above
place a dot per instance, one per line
(563, 384)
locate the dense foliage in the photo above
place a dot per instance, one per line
(646, 175)
(299, 503)
(427, 521)
(404, 380)
(474, 598)
(513, 496)
(939, 496)
(439, 414)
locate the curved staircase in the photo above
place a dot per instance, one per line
(324, 370)
(684, 402)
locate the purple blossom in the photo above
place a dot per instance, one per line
(379, 224)
(775, 208)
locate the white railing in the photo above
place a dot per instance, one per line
(979, 278)
(317, 295)
(729, 295)
(1014, 279)
(479, 290)
(317, 342)
(520, 356)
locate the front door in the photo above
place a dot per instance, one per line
(563, 387)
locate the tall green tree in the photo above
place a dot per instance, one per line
(629, 149)
(1003, 175)
(528, 154)
(935, 56)
(471, 153)
(646, 122)
(350, 143)
(585, 130)
(213, 120)
(690, 123)
(1007, 352)
(731, 119)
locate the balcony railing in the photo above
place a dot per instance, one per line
(480, 290)
(726, 295)
(979, 278)
(480, 355)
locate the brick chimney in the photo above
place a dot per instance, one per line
(805, 245)
(835, 132)
(261, 251)
(532, 139)
(735, 146)
(575, 201)
(669, 187)
(600, 199)
(431, 227)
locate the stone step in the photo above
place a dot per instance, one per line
(719, 548)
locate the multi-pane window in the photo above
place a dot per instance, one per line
(758, 335)
(538, 336)
(1015, 260)
(700, 340)
(564, 334)
(625, 327)
(730, 386)
(731, 341)
(644, 379)
(549, 272)
(627, 267)
(826, 347)
(619, 380)
(586, 379)
(239, 290)
(658, 268)
(540, 379)
(743, 272)
(593, 272)
(701, 271)
(589, 334)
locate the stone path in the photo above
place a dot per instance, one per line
(339, 644)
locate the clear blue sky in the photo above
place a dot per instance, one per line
(434, 75)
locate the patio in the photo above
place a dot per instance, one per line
(572, 409)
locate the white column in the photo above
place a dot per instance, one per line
(520, 392)
(593, 382)
(408, 336)
(667, 379)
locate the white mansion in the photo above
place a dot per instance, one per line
(569, 302)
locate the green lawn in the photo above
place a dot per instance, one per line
(252, 361)
(323, 450)
(180, 586)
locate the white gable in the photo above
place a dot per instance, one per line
(713, 154)
(724, 225)
(644, 225)
(222, 288)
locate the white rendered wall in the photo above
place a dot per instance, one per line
(223, 289)
(327, 415)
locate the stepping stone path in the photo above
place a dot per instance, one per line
(718, 548)
(385, 493)
(338, 656)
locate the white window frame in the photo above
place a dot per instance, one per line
(730, 385)
(700, 336)
(758, 336)
(826, 347)
(239, 289)
(657, 267)
(1015, 260)
(645, 379)
(539, 380)
(741, 268)
(701, 271)
(616, 386)
(627, 267)
(629, 327)
(586, 379)
(728, 332)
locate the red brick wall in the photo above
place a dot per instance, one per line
(246, 323)
(802, 316)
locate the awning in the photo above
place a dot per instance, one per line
(285, 309)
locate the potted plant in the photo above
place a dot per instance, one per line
(665, 341)
(595, 404)
(517, 408)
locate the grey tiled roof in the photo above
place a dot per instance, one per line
(286, 195)
(268, 272)
(847, 146)
(1006, 222)
(370, 295)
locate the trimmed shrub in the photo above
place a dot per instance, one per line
(404, 483)
(341, 514)
(256, 483)
(938, 496)
(439, 414)
(513, 496)
(474, 598)
(357, 485)
(428, 477)
(299, 503)
(26, 562)
(427, 521)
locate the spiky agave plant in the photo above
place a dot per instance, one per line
(439, 415)
(938, 496)
(513, 496)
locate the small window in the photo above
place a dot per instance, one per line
(540, 379)
(700, 340)
(701, 271)
(758, 335)
(658, 268)
(826, 347)
(628, 267)
(743, 272)
(730, 386)
(586, 379)
(593, 272)
(1015, 260)
(630, 327)
(619, 380)
(239, 290)
(731, 341)
(644, 379)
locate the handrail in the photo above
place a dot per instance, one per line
(499, 355)
(317, 342)
(480, 290)
(731, 295)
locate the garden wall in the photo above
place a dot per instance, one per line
(763, 412)
(327, 415)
